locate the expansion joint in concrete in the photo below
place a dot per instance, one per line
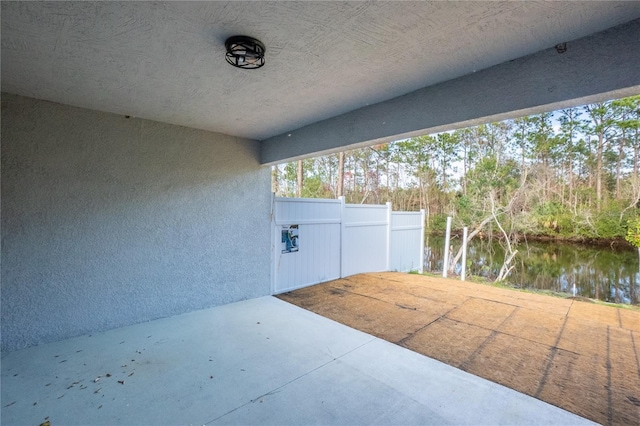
(279, 388)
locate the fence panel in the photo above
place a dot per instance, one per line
(365, 233)
(407, 240)
(306, 236)
(318, 240)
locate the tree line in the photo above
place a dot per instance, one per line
(571, 173)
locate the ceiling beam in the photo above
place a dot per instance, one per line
(595, 68)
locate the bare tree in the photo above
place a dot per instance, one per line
(340, 183)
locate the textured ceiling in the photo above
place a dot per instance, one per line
(164, 61)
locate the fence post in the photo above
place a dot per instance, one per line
(421, 265)
(388, 268)
(272, 226)
(342, 234)
(463, 275)
(447, 240)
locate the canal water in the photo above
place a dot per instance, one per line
(599, 272)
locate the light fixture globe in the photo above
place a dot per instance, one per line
(244, 52)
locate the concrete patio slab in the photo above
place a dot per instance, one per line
(261, 361)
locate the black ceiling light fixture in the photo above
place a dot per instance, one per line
(244, 52)
(561, 48)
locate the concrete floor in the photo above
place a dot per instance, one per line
(261, 361)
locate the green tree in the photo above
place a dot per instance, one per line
(468, 138)
(445, 150)
(571, 126)
(602, 120)
(633, 233)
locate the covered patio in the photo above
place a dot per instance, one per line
(136, 200)
(261, 361)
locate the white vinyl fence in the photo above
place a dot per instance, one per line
(318, 240)
(407, 239)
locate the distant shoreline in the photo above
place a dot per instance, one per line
(619, 243)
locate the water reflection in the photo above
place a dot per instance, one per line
(606, 273)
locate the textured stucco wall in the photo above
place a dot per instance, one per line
(109, 221)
